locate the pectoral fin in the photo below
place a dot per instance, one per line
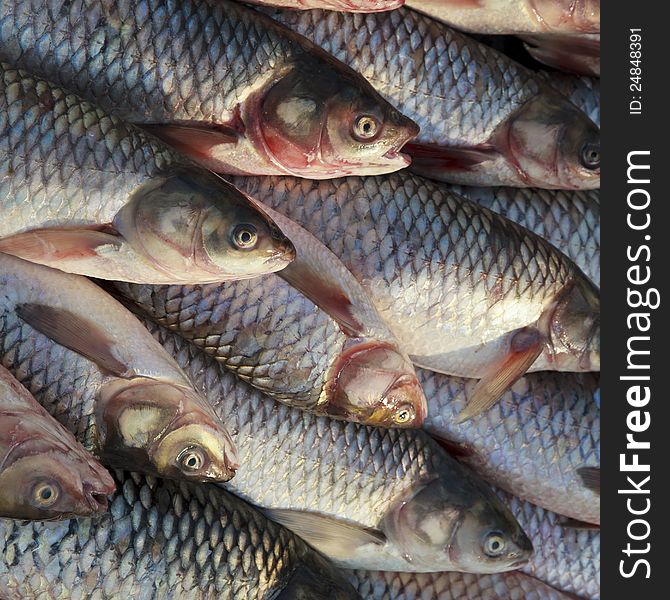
(48, 246)
(590, 477)
(333, 537)
(196, 140)
(453, 448)
(435, 159)
(74, 332)
(575, 524)
(325, 294)
(525, 346)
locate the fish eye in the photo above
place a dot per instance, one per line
(45, 494)
(191, 459)
(365, 128)
(245, 237)
(403, 415)
(494, 544)
(590, 156)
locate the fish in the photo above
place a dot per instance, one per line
(44, 472)
(570, 220)
(84, 192)
(366, 497)
(273, 337)
(164, 539)
(484, 119)
(93, 367)
(218, 80)
(511, 17)
(465, 291)
(583, 91)
(349, 366)
(540, 442)
(567, 553)
(565, 565)
(365, 6)
(572, 53)
(380, 585)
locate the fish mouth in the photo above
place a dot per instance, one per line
(394, 156)
(519, 562)
(281, 257)
(231, 462)
(95, 499)
(228, 472)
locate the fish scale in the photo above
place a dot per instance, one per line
(263, 330)
(378, 585)
(81, 388)
(130, 158)
(384, 47)
(532, 442)
(475, 277)
(292, 460)
(97, 35)
(212, 65)
(570, 220)
(160, 539)
(565, 557)
(484, 120)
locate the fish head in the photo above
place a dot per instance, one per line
(575, 328)
(322, 122)
(488, 539)
(457, 525)
(308, 583)
(40, 481)
(199, 228)
(166, 429)
(553, 144)
(374, 384)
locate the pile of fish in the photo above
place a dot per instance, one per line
(299, 300)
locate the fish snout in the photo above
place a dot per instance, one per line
(96, 497)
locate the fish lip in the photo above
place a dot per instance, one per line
(411, 131)
(394, 156)
(282, 257)
(228, 472)
(96, 499)
(520, 561)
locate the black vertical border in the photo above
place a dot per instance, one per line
(621, 133)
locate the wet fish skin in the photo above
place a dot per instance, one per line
(271, 336)
(215, 78)
(359, 484)
(570, 220)
(86, 193)
(444, 258)
(44, 472)
(106, 381)
(484, 119)
(583, 92)
(514, 16)
(565, 564)
(533, 442)
(360, 374)
(566, 557)
(379, 585)
(163, 539)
